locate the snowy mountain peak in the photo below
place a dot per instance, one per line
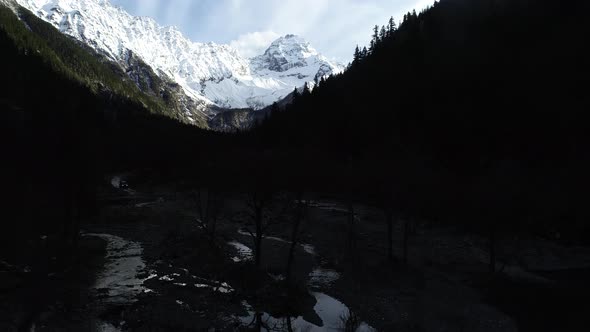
(292, 43)
(292, 58)
(208, 73)
(287, 52)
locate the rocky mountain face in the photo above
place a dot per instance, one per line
(203, 79)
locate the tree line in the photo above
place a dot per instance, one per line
(467, 112)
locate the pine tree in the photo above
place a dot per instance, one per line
(306, 90)
(392, 26)
(364, 52)
(357, 55)
(382, 34)
(296, 94)
(376, 34)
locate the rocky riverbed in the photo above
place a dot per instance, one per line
(147, 264)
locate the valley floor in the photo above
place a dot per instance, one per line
(146, 264)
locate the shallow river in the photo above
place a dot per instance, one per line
(119, 284)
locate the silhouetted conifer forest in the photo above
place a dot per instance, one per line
(469, 113)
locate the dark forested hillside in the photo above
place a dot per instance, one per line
(469, 109)
(79, 62)
(461, 62)
(439, 183)
(67, 118)
(461, 106)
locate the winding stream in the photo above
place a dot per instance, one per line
(118, 283)
(332, 312)
(119, 277)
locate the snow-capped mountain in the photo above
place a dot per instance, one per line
(213, 76)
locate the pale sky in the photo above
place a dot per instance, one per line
(333, 27)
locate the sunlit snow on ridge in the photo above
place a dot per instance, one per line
(209, 73)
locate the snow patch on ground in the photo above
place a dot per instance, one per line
(323, 278)
(107, 327)
(186, 280)
(244, 253)
(116, 182)
(308, 248)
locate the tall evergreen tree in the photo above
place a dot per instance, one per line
(357, 55)
(364, 52)
(375, 38)
(296, 94)
(382, 34)
(306, 90)
(392, 26)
